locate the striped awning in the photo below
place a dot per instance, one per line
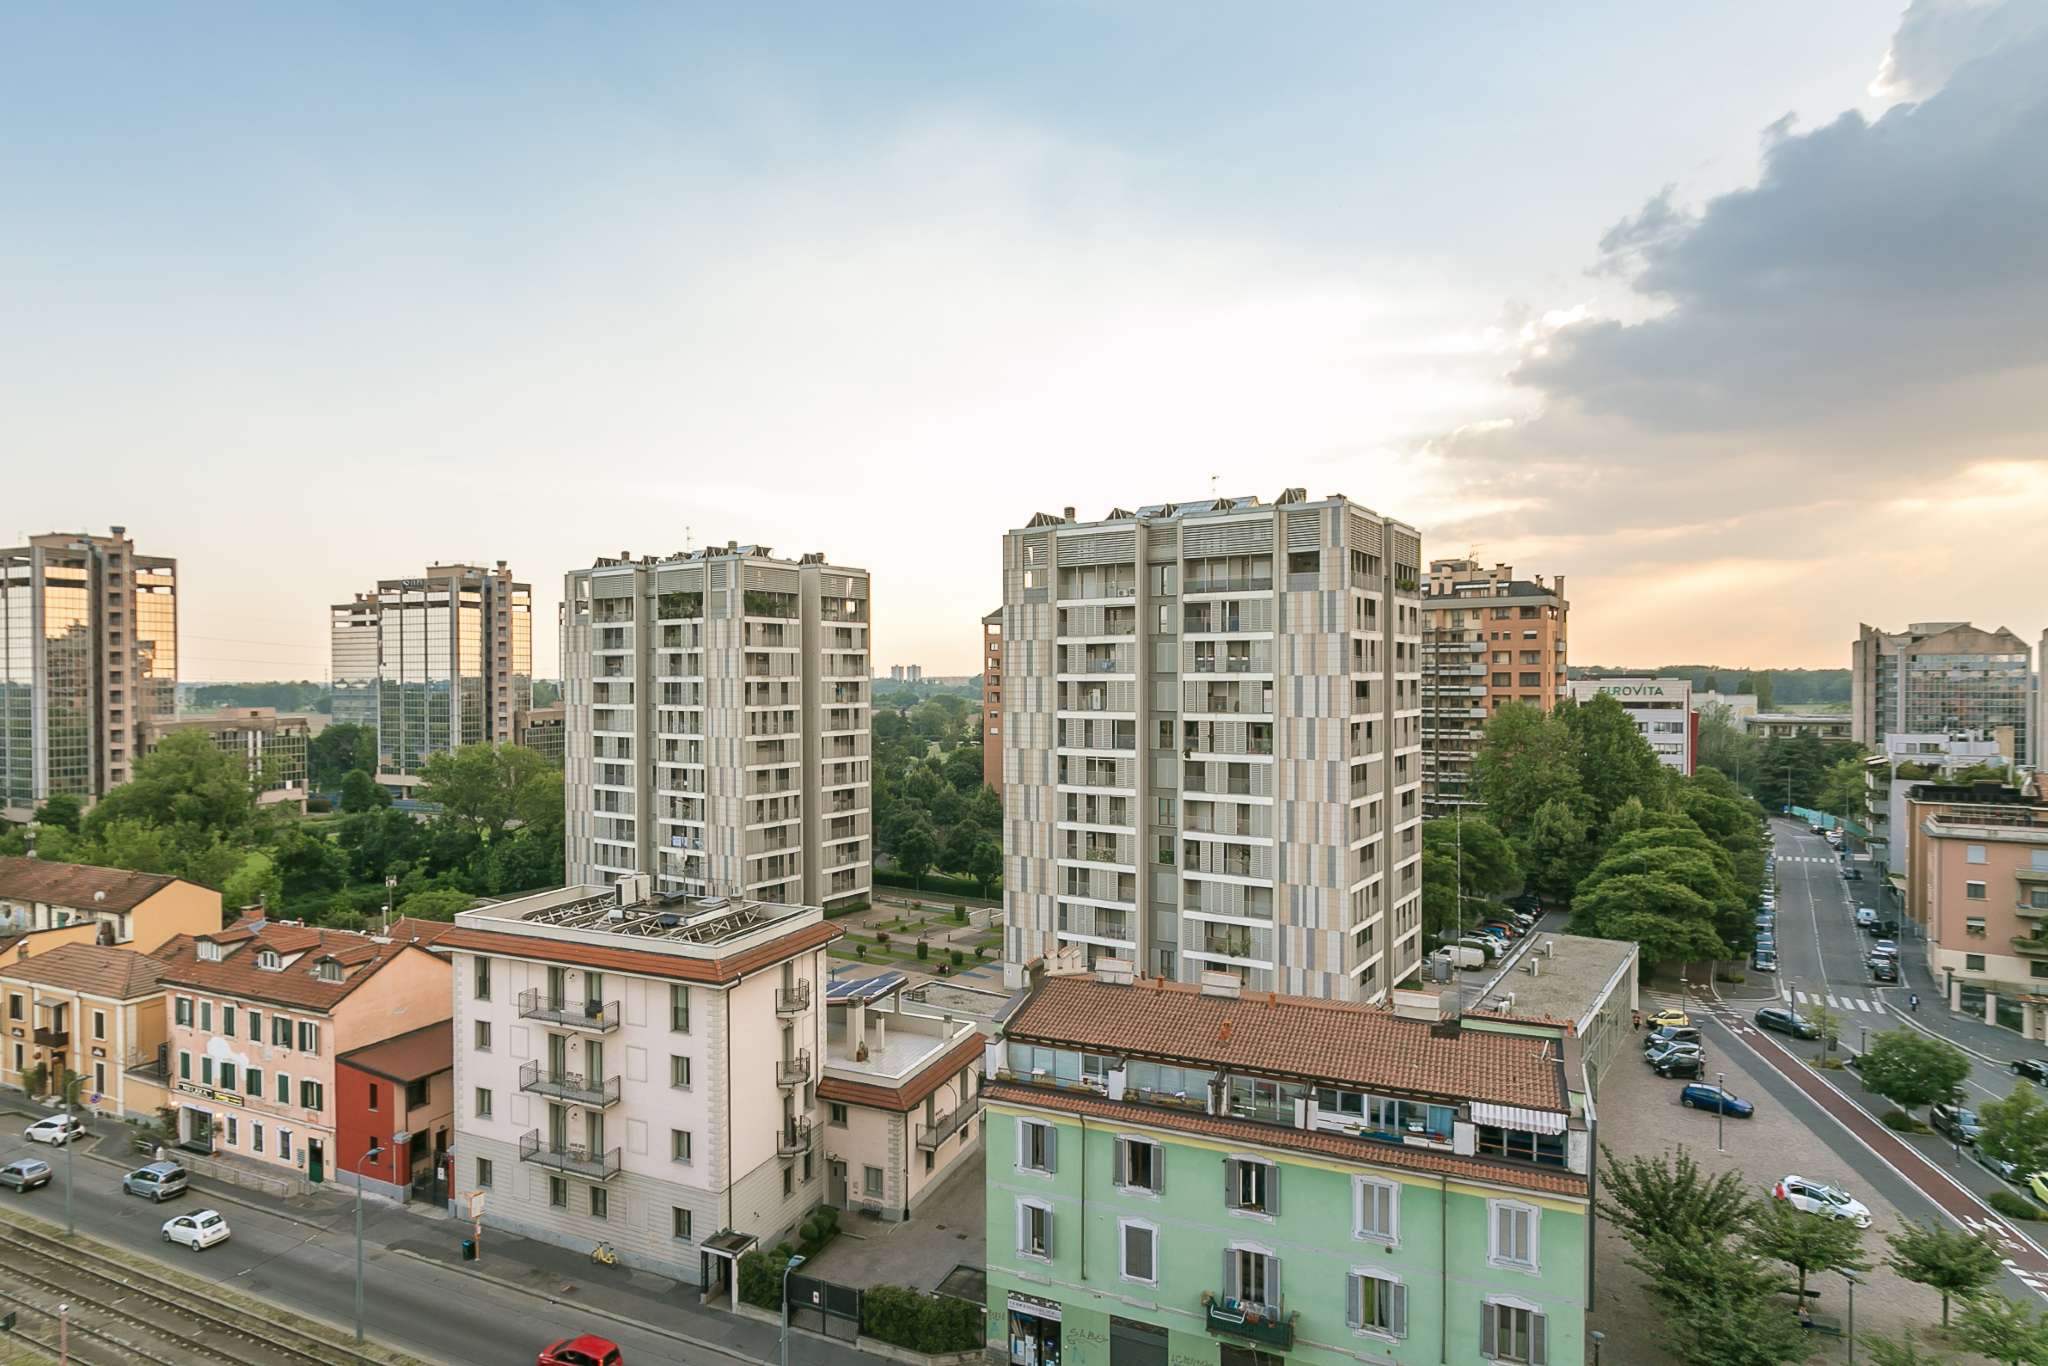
(1514, 1117)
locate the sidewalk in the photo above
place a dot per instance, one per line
(1989, 1042)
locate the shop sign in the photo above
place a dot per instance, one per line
(1041, 1309)
(208, 1093)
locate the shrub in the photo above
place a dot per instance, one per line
(2014, 1206)
(316, 806)
(761, 1277)
(959, 915)
(882, 938)
(957, 957)
(1732, 978)
(980, 952)
(924, 950)
(923, 1323)
(860, 950)
(1901, 1122)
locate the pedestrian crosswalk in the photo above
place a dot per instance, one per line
(1808, 858)
(1832, 1002)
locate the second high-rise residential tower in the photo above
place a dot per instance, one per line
(717, 725)
(1212, 743)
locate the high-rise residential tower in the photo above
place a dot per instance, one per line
(1488, 639)
(1212, 721)
(1941, 676)
(717, 725)
(434, 662)
(992, 700)
(88, 651)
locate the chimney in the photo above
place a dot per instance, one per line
(1070, 514)
(1223, 1033)
(1115, 972)
(1433, 1007)
(1224, 984)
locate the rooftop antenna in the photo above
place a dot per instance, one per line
(688, 543)
(1212, 486)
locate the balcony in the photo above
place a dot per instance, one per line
(1262, 583)
(570, 1086)
(572, 1159)
(793, 1139)
(930, 1136)
(793, 1000)
(2027, 946)
(52, 1038)
(794, 1071)
(599, 1017)
(1269, 1324)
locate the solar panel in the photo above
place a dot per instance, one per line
(864, 988)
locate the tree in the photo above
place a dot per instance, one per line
(1911, 1069)
(337, 751)
(1525, 762)
(1898, 1352)
(1488, 863)
(916, 851)
(478, 787)
(62, 811)
(1613, 760)
(1671, 923)
(1650, 1198)
(440, 903)
(1723, 1307)
(1806, 1242)
(963, 769)
(985, 864)
(1841, 789)
(1945, 1259)
(1830, 1026)
(1553, 850)
(361, 792)
(254, 882)
(2003, 1330)
(2016, 1129)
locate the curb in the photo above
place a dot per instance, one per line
(1906, 1019)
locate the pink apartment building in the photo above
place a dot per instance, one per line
(1978, 875)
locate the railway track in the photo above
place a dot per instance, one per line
(137, 1315)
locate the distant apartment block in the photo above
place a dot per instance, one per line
(1910, 763)
(1661, 709)
(1488, 638)
(717, 725)
(543, 730)
(906, 673)
(1212, 743)
(88, 651)
(272, 748)
(434, 662)
(1941, 676)
(992, 700)
(1788, 725)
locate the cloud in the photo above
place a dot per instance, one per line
(1935, 37)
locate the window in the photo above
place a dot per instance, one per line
(309, 1037)
(1165, 853)
(268, 961)
(679, 1223)
(252, 1082)
(679, 1072)
(483, 1173)
(184, 1066)
(206, 1016)
(206, 1071)
(181, 1008)
(99, 1079)
(679, 1145)
(2038, 968)
(14, 1008)
(483, 1102)
(1251, 1185)
(231, 1132)
(558, 1192)
(483, 1036)
(1140, 1165)
(373, 1095)
(678, 1008)
(280, 1032)
(1513, 1235)
(284, 1089)
(1375, 1209)
(1974, 890)
(312, 1095)
(227, 1021)
(255, 1136)
(99, 1025)
(835, 1114)
(788, 1181)
(1137, 1251)
(1512, 1332)
(483, 979)
(600, 1202)
(284, 1144)
(1975, 853)
(1034, 1230)
(1974, 924)
(1251, 1275)
(416, 1093)
(1162, 579)
(1377, 1305)
(1037, 1147)
(227, 1076)
(1973, 962)
(256, 1026)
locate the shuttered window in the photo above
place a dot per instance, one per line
(1037, 1146)
(1377, 1305)
(1251, 1185)
(1140, 1165)
(1138, 1251)
(1376, 1206)
(1513, 1333)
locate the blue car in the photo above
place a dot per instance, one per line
(1701, 1096)
(1494, 931)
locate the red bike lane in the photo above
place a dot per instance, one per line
(2027, 1262)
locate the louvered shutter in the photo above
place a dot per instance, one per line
(1273, 1188)
(1273, 1282)
(1159, 1167)
(1539, 1348)
(1048, 1234)
(1354, 1312)
(1123, 1162)
(1230, 1183)
(1052, 1148)
(1397, 1309)
(1486, 1330)
(1229, 1273)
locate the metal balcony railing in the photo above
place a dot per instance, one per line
(932, 1135)
(794, 1071)
(793, 1138)
(574, 1087)
(793, 1000)
(599, 1016)
(571, 1158)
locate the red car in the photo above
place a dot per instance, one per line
(588, 1350)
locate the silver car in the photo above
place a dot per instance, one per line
(25, 1174)
(158, 1181)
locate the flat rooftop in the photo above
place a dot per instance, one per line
(1573, 973)
(625, 916)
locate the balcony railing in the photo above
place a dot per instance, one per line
(793, 1138)
(932, 1135)
(794, 1071)
(793, 1000)
(1260, 584)
(600, 1017)
(573, 1159)
(1267, 1323)
(2029, 946)
(51, 1038)
(570, 1086)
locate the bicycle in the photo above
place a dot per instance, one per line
(604, 1255)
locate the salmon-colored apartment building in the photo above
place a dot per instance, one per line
(1488, 639)
(1977, 879)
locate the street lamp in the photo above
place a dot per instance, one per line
(1596, 1337)
(390, 891)
(1851, 1278)
(1720, 1108)
(368, 1157)
(792, 1264)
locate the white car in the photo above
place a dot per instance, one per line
(201, 1229)
(1815, 1198)
(55, 1129)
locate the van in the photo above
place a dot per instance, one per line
(1865, 917)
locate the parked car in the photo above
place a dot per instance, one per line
(2038, 1184)
(1959, 1122)
(1886, 929)
(1767, 940)
(1673, 1048)
(1684, 1065)
(1669, 1034)
(1500, 928)
(1852, 875)
(56, 1130)
(588, 1350)
(1887, 947)
(158, 1181)
(25, 1174)
(2035, 1069)
(1669, 1016)
(1763, 960)
(1866, 916)
(1527, 902)
(201, 1229)
(1884, 970)
(1817, 1198)
(1699, 1095)
(1485, 943)
(1999, 1167)
(1782, 1021)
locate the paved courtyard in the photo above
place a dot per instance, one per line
(945, 1232)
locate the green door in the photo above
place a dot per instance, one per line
(316, 1164)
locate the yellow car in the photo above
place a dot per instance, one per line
(1670, 1017)
(2038, 1184)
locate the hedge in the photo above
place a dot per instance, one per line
(2014, 1206)
(910, 1318)
(939, 882)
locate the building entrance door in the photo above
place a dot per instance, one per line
(1132, 1343)
(835, 1184)
(316, 1161)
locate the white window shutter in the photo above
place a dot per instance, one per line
(1354, 1311)
(1397, 1309)
(1230, 1273)
(1023, 1144)
(1230, 1183)
(1539, 1348)
(1273, 1282)
(1048, 1234)
(1121, 1171)
(1023, 1227)
(1486, 1330)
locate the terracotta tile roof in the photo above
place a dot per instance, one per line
(912, 1093)
(407, 1057)
(427, 932)
(73, 884)
(97, 969)
(294, 985)
(1336, 1042)
(1316, 1141)
(716, 971)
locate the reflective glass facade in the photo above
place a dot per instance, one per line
(17, 683)
(156, 636)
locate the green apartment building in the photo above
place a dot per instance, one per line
(1195, 1176)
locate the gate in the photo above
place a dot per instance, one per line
(822, 1307)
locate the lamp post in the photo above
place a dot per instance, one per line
(1596, 1337)
(1720, 1108)
(368, 1157)
(390, 891)
(792, 1264)
(63, 1335)
(1851, 1278)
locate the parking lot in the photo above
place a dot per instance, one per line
(1640, 1116)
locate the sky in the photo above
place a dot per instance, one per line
(1734, 315)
